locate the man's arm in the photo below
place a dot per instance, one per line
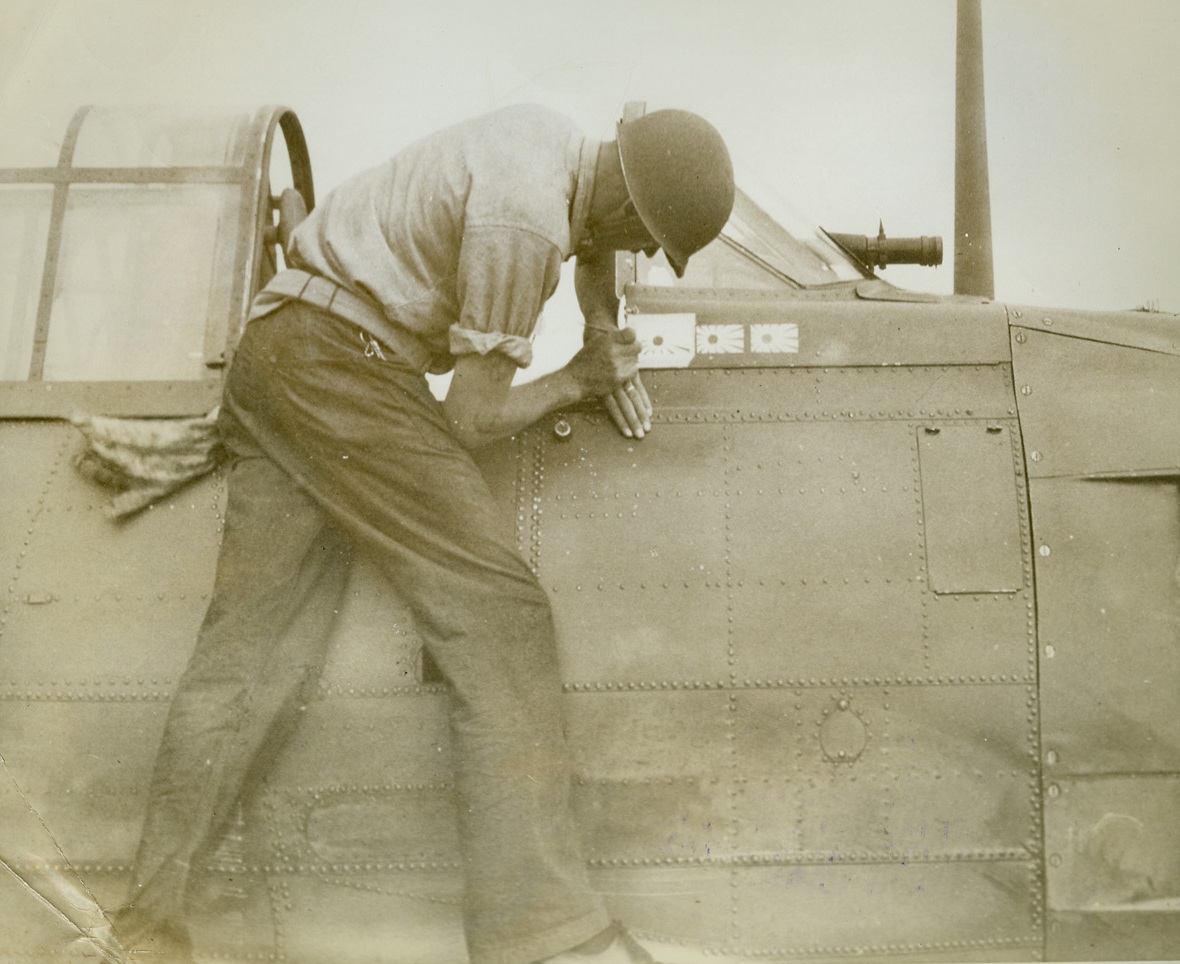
(594, 283)
(482, 405)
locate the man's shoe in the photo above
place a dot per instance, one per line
(613, 946)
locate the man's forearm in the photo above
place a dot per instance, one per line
(594, 284)
(483, 405)
(523, 405)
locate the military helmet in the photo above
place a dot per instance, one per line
(680, 179)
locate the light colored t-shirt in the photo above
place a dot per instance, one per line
(460, 237)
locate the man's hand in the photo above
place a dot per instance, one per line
(630, 408)
(482, 404)
(608, 367)
(625, 397)
(608, 359)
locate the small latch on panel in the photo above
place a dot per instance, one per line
(842, 734)
(39, 599)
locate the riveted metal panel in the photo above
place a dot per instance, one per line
(868, 773)
(817, 512)
(1109, 610)
(28, 923)
(980, 638)
(1089, 407)
(395, 823)
(371, 845)
(84, 768)
(792, 799)
(74, 646)
(781, 501)
(625, 593)
(31, 457)
(965, 764)
(885, 910)
(654, 786)
(1134, 329)
(712, 751)
(167, 548)
(971, 508)
(122, 613)
(31, 932)
(98, 620)
(1113, 866)
(688, 908)
(672, 818)
(144, 399)
(1113, 843)
(829, 334)
(378, 916)
(411, 909)
(758, 718)
(637, 735)
(1138, 935)
(356, 822)
(232, 914)
(829, 394)
(44, 895)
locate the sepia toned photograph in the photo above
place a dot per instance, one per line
(539, 482)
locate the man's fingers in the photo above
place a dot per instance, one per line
(632, 406)
(622, 410)
(627, 412)
(616, 415)
(630, 409)
(642, 399)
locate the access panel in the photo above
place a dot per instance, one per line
(791, 669)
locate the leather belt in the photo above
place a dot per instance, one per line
(320, 292)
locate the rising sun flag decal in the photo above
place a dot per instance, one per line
(666, 341)
(777, 339)
(674, 340)
(721, 339)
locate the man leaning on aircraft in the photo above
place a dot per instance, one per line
(439, 259)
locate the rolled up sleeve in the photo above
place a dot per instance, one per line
(505, 276)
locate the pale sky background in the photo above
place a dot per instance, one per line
(844, 107)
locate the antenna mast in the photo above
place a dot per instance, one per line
(974, 273)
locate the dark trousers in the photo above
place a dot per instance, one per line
(335, 449)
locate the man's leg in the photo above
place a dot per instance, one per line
(370, 444)
(281, 572)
